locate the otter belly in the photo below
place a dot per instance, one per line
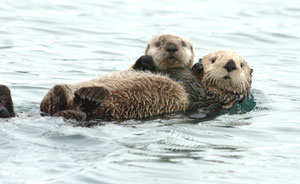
(119, 96)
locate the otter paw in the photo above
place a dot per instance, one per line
(198, 68)
(145, 63)
(90, 97)
(58, 100)
(4, 112)
(71, 114)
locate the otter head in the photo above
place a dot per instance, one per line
(226, 72)
(170, 51)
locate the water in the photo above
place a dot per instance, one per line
(52, 41)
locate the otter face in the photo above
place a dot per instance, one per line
(170, 51)
(226, 71)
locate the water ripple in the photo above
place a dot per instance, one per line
(43, 43)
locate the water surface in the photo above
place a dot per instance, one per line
(43, 43)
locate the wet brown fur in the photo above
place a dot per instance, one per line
(6, 104)
(131, 95)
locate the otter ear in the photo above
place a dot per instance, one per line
(198, 67)
(251, 70)
(147, 49)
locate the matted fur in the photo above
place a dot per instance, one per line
(132, 95)
(183, 57)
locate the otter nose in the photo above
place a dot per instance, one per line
(230, 65)
(171, 48)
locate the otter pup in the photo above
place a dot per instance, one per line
(6, 105)
(168, 51)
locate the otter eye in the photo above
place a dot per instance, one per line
(213, 60)
(157, 44)
(242, 64)
(183, 44)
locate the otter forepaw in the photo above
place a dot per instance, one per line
(71, 114)
(198, 68)
(89, 97)
(145, 63)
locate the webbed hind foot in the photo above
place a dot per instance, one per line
(88, 98)
(58, 100)
(6, 104)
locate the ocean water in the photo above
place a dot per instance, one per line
(45, 42)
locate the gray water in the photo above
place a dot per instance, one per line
(53, 41)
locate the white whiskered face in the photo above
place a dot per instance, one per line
(227, 71)
(170, 51)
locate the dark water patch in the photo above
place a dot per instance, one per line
(106, 52)
(76, 45)
(89, 31)
(294, 9)
(284, 36)
(43, 21)
(49, 30)
(6, 47)
(134, 39)
(256, 38)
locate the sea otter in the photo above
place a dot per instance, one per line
(6, 105)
